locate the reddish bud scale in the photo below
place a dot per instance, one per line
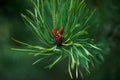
(61, 30)
(58, 37)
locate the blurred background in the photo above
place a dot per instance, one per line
(18, 66)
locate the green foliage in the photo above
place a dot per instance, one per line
(76, 46)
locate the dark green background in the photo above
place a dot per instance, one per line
(18, 66)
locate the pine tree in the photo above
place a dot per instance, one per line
(61, 26)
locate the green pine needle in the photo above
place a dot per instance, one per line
(74, 16)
